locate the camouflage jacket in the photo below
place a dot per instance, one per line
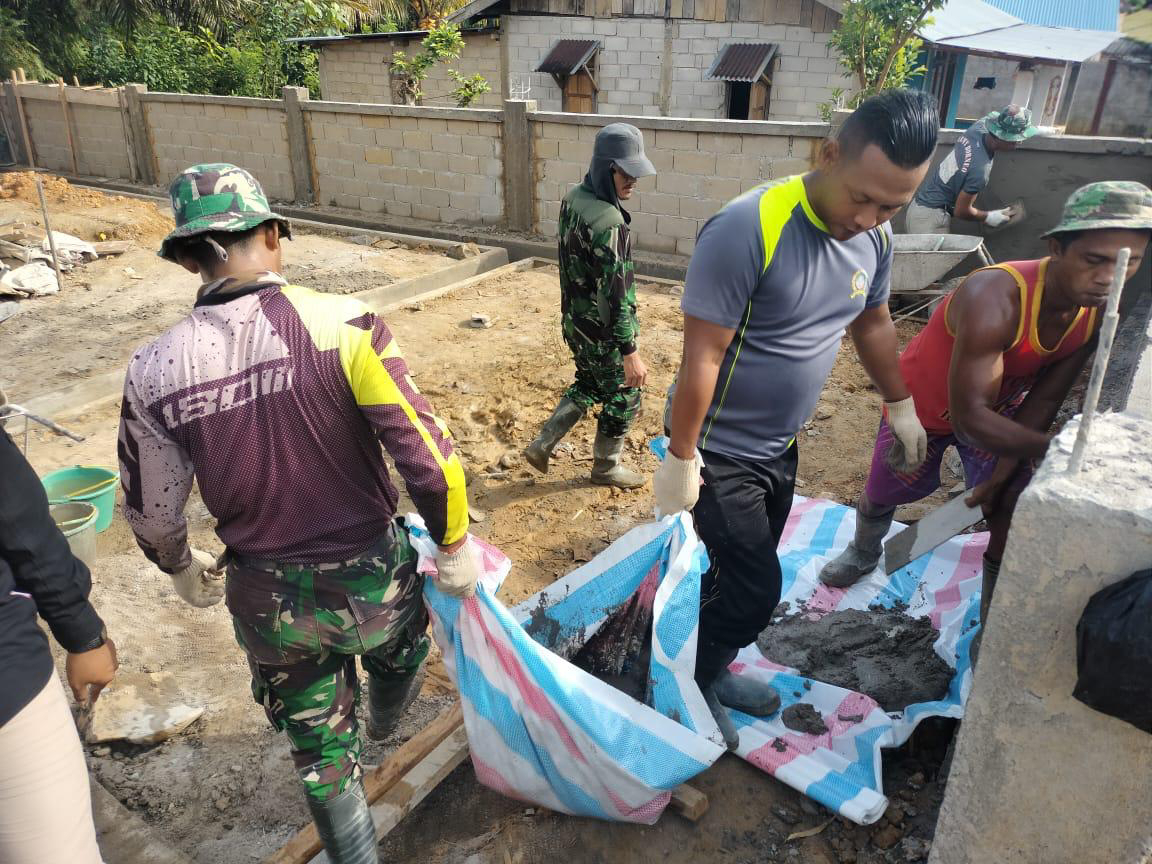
(597, 287)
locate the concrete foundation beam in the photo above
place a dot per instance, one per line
(1037, 775)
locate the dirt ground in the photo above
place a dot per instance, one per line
(113, 305)
(224, 791)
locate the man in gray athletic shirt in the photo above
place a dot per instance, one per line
(776, 277)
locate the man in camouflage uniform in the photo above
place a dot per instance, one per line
(992, 368)
(276, 399)
(598, 307)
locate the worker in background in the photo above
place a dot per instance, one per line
(776, 277)
(951, 190)
(45, 804)
(993, 366)
(276, 399)
(598, 307)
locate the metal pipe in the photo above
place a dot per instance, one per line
(13, 410)
(1100, 365)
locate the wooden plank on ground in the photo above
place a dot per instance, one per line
(303, 847)
(417, 784)
(112, 247)
(689, 802)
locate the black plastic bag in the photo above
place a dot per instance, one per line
(1114, 651)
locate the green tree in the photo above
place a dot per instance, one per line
(443, 43)
(877, 42)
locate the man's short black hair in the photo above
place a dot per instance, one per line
(902, 123)
(204, 253)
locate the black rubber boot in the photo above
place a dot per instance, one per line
(746, 695)
(606, 467)
(566, 415)
(345, 827)
(863, 553)
(389, 700)
(722, 718)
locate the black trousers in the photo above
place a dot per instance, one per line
(740, 516)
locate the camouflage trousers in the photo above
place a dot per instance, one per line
(302, 627)
(600, 381)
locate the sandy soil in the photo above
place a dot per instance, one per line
(224, 791)
(111, 306)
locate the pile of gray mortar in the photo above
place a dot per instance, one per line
(882, 653)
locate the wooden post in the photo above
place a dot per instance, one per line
(66, 115)
(14, 84)
(141, 139)
(299, 147)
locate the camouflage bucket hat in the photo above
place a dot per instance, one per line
(1011, 123)
(216, 197)
(1108, 204)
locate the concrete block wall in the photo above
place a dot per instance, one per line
(974, 104)
(189, 129)
(101, 140)
(633, 55)
(357, 70)
(805, 75)
(628, 66)
(46, 126)
(701, 166)
(1128, 108)
(437, 164)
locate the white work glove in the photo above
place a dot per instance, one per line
(199, 584)
(676, 483)
(909, 440)
(996, 218)
(458, 571)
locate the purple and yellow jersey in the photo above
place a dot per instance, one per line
(276, 399)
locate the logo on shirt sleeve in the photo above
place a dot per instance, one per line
(859, 285)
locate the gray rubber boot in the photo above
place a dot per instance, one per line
(566, 415)
(722, 718)
(863, 553)
(746, 695)
(345, 827)
(389, 700)
(606, 467)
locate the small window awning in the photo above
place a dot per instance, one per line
(568, 56)
(744, 61)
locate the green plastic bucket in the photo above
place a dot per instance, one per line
(77, 520)
(88, 483)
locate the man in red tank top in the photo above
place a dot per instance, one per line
(993, 366)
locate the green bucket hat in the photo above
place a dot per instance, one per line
(1011, 123)
(1107, 204)
(216, 197)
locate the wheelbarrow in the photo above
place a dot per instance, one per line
(920, 261)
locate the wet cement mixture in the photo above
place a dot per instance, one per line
(620, 652)
(882, 653)
(802, 717)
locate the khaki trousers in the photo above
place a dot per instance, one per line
(45, 805)
(925, 220)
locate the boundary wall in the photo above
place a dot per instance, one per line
(502, 168)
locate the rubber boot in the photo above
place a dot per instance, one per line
(863, 553)
(345, 827)
(746, 694)
(566, 415)
(606, 467)
(722, 718)
(389, 700)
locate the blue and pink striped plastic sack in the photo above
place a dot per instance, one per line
(544, 731)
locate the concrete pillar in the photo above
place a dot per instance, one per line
(519, 167)
(666, 68)
(1022, 82)
(1038, 776)
(299, 145)
(141, 134)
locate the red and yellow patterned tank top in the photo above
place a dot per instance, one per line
(926, 360)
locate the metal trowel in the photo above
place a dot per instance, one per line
(939, 526)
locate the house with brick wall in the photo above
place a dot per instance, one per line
(712, 59)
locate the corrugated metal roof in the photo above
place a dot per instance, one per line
(567, 56)
(1032, 42)
(964, 18)
(743, 61)
(1130, 51)
(1080, 14)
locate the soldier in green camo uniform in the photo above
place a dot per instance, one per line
(598, 307)
(279, 402)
